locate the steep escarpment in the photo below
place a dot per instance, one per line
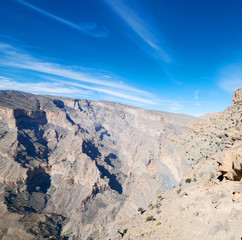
(72, 167)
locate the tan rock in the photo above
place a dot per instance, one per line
(237, 97)
(231, 164)
(236, 196)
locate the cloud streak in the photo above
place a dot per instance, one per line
(175, 106)
(66, 80)
(87, 28)
(39, 87)
(111, 92)
(10, 56)
(139, 26)
(196, 94)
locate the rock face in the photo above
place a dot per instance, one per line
(237, 98)
(72, 168)
(231, 164)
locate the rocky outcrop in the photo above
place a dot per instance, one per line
(231, 164)
(237, 97)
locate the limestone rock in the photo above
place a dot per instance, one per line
(237, 97)
(231, 164)
(236, 196)
(238, 188)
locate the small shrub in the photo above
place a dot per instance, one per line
(178, 190)
(125, 230)
(150, 218)
(188, 180)
(157, 224)
(194, 179)
(157, 205)
(160, 197)
(140, 209)
(151, 206)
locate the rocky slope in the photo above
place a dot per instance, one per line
(207, 203)
(74, 168)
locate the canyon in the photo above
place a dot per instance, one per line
(81, 169)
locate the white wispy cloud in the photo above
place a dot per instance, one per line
(63, 79)
(112, 92)
(85, 27)
(139, 26)
(13, 57)
(196, 94)
(175, 106)
(39, 87)
(230, 78)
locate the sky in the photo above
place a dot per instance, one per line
(180, 56)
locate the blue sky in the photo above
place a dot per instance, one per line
(181, 56)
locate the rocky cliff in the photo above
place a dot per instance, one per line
(74, 168)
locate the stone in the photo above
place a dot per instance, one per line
(237, 97)
(238, 188)
(231, 164)
(236, 197)
(216, 198)
(217, 228)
